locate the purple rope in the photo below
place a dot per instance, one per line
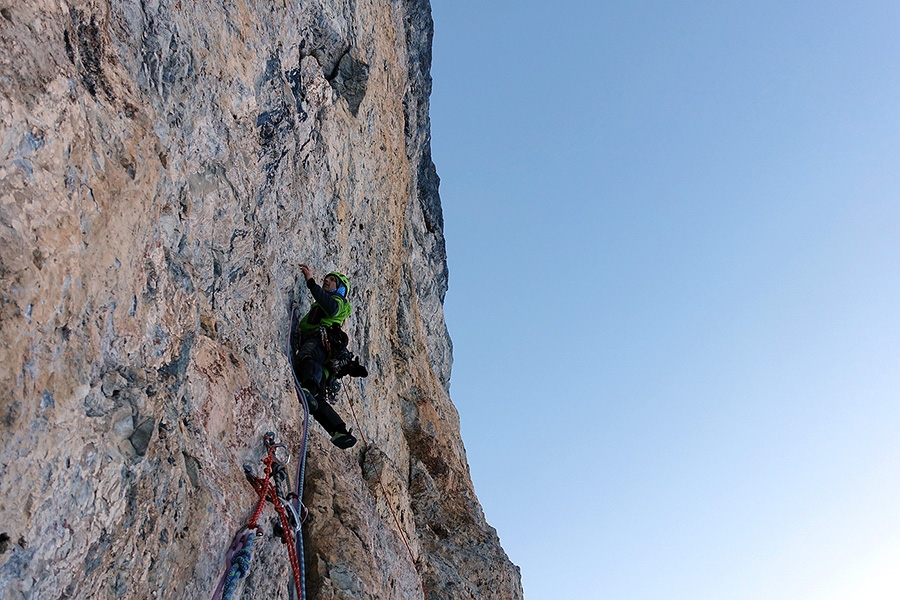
(237, 545)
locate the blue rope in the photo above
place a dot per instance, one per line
(240, 564)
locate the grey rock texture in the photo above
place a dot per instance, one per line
(165, 165)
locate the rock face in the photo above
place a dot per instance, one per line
(165, 167)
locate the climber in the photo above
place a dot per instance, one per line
(320, 336)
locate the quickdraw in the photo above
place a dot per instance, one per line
(274, 487)
(326, 342)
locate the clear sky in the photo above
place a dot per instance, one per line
(673, 232)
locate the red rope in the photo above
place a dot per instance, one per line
(266, 491)
(262, 489)
(384, 491)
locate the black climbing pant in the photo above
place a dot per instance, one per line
(310, 358)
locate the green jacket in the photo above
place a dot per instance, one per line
(329, 308)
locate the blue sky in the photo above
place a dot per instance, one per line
(673, 232)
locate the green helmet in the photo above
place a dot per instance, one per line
(343, 282)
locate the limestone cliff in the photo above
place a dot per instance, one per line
(165, 166)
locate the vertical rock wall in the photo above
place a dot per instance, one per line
(165, 165)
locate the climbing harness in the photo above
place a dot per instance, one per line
(384, 491)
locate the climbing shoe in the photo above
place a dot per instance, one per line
(354, 369)
(343, 439)
(347, 364)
